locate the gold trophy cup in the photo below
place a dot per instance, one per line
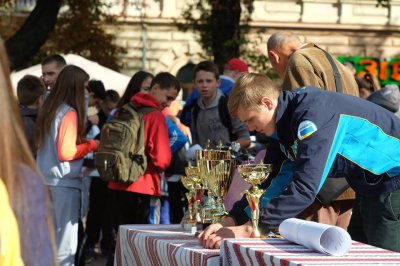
(254, 174)
(218, 177)
(208, 209)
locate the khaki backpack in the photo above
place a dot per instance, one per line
(121, 155)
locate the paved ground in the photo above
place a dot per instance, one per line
(98, 261)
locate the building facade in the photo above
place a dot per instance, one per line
(148, 31)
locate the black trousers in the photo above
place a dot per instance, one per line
(177, 201)
(126, 208)
(98, 220)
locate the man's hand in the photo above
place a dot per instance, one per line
(211, 229)
(211, 237)
(206, 233)
(242, 231)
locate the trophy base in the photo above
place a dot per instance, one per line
(255, 235)
(202, 226)
(189, 227)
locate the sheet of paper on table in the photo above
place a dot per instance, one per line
(328, 239)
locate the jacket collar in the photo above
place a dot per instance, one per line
(143, 99)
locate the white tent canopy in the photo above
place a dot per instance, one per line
(110, 78)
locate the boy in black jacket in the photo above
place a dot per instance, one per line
(30, 92)
(321, 134)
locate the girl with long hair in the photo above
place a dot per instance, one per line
(61, 143)
(140, 82)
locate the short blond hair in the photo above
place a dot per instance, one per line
(248, 91)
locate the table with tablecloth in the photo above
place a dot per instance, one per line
(160, 245)
(283, 252)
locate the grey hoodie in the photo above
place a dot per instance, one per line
(209, 125)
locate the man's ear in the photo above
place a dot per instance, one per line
(267, 102)
(273, 56)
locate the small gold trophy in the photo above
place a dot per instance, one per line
(189, 222)
(193, 173)
(254, 174)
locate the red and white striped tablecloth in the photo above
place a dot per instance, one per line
(282, 252)
(160, 245)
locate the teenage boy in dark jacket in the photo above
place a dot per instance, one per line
(322, 134)
(30, 92)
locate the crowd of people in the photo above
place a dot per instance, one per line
(332, 145)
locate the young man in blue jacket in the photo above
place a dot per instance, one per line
(321, 134)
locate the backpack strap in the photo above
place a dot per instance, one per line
(225, 116)
(144, 109)
(195, 113)
(336, 74)
(147, 109)
(185, 115)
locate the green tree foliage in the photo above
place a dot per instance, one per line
(256, 59)
(32, 33)
(218, 26)
(221, 27)
(79, 29)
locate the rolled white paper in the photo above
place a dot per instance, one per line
(328, 239)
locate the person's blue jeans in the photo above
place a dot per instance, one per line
(66, 213)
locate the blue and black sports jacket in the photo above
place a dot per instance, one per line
(324, 134)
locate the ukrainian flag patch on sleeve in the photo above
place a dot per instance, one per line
(306, 129)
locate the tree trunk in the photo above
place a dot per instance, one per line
(27, 41)
(225, 17)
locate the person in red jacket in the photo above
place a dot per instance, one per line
(130, 203)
